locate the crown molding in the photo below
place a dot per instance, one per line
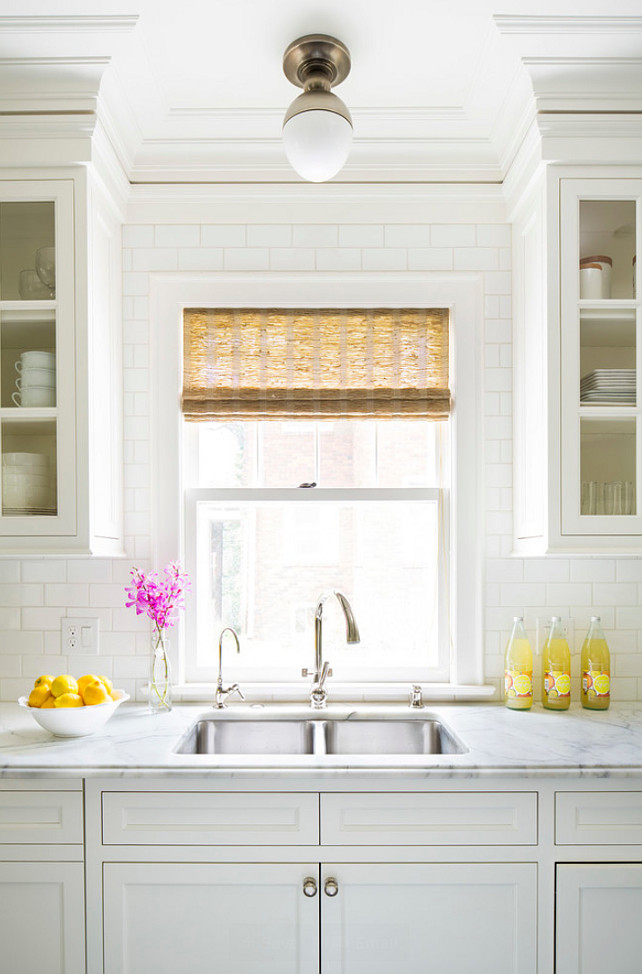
(526, 24)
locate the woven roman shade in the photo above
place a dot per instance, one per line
(248, 363)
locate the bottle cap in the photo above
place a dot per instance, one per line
(595, 618)
(518, 618)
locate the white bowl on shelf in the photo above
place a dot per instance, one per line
(74, 721)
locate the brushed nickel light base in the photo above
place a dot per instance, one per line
(316, 61)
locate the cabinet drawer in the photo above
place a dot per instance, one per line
(197, 818)
(40, 817)
(470, 818)
(598, 818)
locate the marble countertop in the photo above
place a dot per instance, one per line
(498, 741)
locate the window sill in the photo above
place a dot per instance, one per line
(352, 692)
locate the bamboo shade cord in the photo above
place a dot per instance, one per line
(321, 364)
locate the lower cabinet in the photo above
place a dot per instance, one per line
(418, 917)
(302, 918)
(42, 917)
(599, 908)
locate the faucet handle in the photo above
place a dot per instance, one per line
(306, 672)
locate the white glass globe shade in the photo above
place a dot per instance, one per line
(317, 143)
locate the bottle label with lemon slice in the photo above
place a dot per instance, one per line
(596, 683)
(557, 683)
(518, 683)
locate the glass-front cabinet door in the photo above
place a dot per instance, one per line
(37, 398)
(601, 401)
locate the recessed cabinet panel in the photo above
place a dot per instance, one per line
(598, 918)
(27, 251)
(449, 918)
(243, 918)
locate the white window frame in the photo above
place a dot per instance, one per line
(461, 293)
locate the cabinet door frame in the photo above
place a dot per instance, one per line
(69, 877)
(575, 528)
(521, 876)
(117, 875)
(49, 530)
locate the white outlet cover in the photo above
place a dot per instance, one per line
(80, 635)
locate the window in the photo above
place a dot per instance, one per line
(281, 510)
(186, 483)
(262, 548)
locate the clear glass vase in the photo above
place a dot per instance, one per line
(160, 682)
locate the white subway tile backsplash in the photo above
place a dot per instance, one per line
(204, 259)
(36, 592)
(364, 235)
(223, 236)
(315, 235)
(173, 235)
(445, 235)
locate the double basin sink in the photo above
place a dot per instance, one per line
(319, 736)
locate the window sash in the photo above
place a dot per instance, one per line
(279, 674)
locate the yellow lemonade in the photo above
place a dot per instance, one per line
(596, 669)
(556, 669)
(518, 669)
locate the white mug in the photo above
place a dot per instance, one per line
(36, 377)
(35, 396)
(36, 359)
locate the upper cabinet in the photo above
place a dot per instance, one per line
(601, 405)
(577, 366)
(50, 418)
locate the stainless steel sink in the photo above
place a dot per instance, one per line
(320, 736)
(212, 736)
(368, 736)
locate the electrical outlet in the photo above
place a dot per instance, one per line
(80, 635)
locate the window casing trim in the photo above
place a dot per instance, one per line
(461, 293)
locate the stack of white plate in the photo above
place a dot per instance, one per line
(612, 386)
(28, 485)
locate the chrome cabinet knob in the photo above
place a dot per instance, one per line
(309, 886)
(330, 887)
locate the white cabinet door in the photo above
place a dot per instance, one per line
(42, 918)
(412, 918)
(180, 918)
(598, 918)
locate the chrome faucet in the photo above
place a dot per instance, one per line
(223, 692)
(318, 692)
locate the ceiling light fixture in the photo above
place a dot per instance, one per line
(317, 128)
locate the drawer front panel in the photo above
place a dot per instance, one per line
(598, 818)
(470, 818)
(197, 818)
(40, 817)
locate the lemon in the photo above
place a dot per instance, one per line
(45, 680)
(68, 700)
(84, 680)
(49, 703)
(94, 693)
(38, 696)
(64, 684)
(107, 682)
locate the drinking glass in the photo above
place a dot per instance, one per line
(46, 268)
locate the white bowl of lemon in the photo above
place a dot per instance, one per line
(72, 708)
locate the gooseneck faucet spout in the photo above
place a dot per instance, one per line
(223, 692)
(318, 692)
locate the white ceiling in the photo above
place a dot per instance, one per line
(439, 89)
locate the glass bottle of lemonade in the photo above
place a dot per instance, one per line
(596, 668)
(556, 668)
(518, 668)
